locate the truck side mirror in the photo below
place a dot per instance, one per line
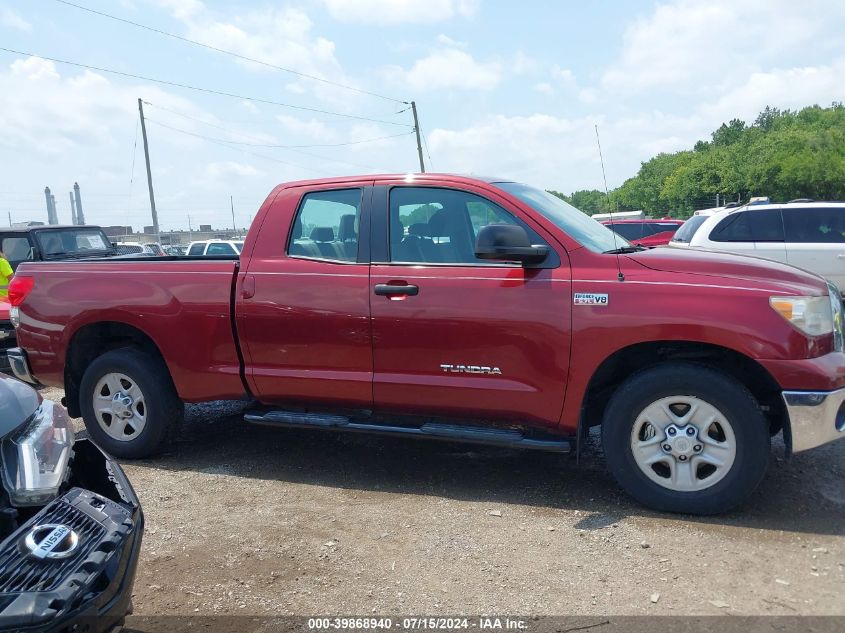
(508, 242)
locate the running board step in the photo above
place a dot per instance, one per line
(510, 438)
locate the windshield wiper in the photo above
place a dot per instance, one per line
(622, 250)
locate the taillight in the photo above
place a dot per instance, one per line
(19, 288)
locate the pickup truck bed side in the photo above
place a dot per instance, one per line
(181, 306)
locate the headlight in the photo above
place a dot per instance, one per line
(35, 458)
(811, 315)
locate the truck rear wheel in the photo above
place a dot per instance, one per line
(128, 402)
(686, 438)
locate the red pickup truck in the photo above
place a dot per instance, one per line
(453, 308)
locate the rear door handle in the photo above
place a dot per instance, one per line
(391, 290)
(841, 256)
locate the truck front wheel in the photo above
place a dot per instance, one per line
(128, 402)
(682, 437)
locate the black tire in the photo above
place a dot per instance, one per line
(725, 393)
(163, 409)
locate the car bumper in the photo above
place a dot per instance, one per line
(90, 590)
(19, 362)
(815, 417)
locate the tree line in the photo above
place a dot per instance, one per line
(783, 154)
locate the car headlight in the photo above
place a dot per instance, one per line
(36, 456)
(811, 315)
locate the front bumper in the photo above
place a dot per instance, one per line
(91, 589)
(815, 417)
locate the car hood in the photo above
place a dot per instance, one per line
(763, 272)
(18, 401)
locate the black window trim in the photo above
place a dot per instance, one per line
(363, 226)
(380, 232)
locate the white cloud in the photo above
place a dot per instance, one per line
(34, 68)
(182, 9)
(706, 46)
(13, 20)
(544, 88)
(400, 11)
(450, 68)
(445, 40)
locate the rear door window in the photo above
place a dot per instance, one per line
(327, 225)
(814, 225)
(750, 226)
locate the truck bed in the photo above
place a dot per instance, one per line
(182, 304)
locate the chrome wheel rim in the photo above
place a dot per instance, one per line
(120, 407)
(683, 443)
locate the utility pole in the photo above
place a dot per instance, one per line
(73, 219)
(190, 230)
(149, 173)
(10, 219)
(234, 228)
(417, 130)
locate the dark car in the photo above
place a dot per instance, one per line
(70, 523)
(52, 242)
(646, 232)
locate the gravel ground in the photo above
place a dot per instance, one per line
(244, 519)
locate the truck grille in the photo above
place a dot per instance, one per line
(19, 573)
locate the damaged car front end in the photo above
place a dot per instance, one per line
(70, 523)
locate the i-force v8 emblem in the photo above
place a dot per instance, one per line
(589, 299)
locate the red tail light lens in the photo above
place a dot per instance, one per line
(19, 288)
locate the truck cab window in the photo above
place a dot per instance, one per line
(430, 225)
(326, 226)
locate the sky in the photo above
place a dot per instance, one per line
(505, 89)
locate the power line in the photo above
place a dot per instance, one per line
(230, 143)
(269, 145)
(205, 90)
(225, 52)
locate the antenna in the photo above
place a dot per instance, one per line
(619, 274)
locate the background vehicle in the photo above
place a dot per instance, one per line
(215, 247)
(502, 315)
(136, 248)
(70, 523)
(648, 232)
(809, 235)
(51, 243)
(176, 250)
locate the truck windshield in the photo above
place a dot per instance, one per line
(578, 225)
(81, 242)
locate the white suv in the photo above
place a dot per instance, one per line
(215, 247)
(803, 233)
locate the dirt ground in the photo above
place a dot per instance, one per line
(251, 520)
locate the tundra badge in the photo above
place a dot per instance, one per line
(470, 369)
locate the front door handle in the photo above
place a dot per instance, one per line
(248, 287)
(391, 290)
